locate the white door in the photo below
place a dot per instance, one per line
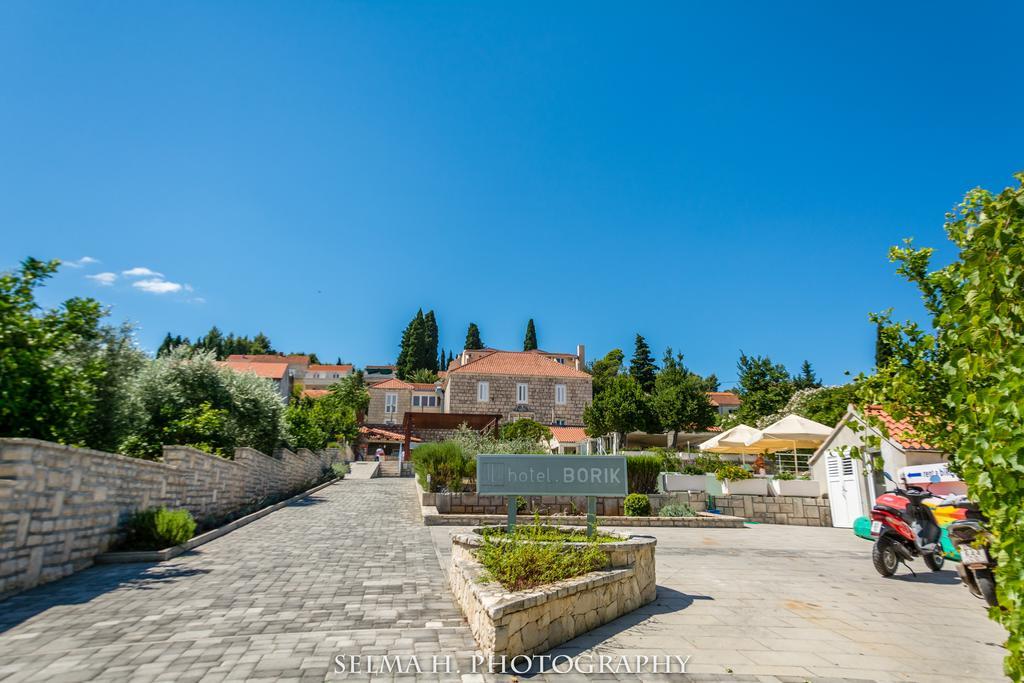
(844, 489)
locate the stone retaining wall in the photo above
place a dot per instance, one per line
(794, 510)
(534, 621)
(607, 506)
(61, 506)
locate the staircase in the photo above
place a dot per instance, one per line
(389, 468)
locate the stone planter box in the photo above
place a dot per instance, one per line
(534, 621)
(801, 488)
(747, 487)
(671, 482)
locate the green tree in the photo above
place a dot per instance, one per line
(620, 408)
(960, 381)
(422, 376)
(680, 400)
(806, 379)
(602, 371)
(882, 345)
(530, 341)
(530, 430)
(212, 341)
(764, 387)
(261, 345)
(641, 366)
(473, 341)
(429, 361)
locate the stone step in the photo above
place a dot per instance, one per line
(363, 470)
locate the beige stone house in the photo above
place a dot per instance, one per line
(392, 399)
(519, 384)
(323, 376)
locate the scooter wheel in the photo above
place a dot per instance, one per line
(883, 556)
(934, 561)
(987, 585)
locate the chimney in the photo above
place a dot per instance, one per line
(581, 357)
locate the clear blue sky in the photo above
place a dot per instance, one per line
(717, 177)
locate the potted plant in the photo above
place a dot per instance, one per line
(738, 481)
(788, 484)
(695, 475)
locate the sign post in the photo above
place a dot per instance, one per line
(551, 475)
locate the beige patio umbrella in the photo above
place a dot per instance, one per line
(734, 440)
(788, 434)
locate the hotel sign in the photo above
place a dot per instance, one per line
(551, 475)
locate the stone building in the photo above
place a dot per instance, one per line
(323, 376)
(392, 399)
(519, 384)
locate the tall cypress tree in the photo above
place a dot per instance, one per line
(473, 341)
(430, 350)
(642, 367)
(417, 346)
(530, 342)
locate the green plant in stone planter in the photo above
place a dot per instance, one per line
(158, 528)
(637, 505)
(784, 476)
(677, 510)
(732, 472)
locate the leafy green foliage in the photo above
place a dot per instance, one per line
(542, 533)
(637, 505)
(221, 346)
(526, 429)
(473, 341)
(473, 443)
(826, 405)
(442, 466)
(530, 340)
(642, 473)
(621, 407)
(961, 385)
(703, 464)
(670, 461)
(339, 469)
(677, 510)
(183, 398)
(520, 563)
(731, 472)
(422, 376)
(314, 423)
(602, 371)
(642, 367)
(62, 373)
(764, 387)
(806, 379)
(159, 528)
(680, 399)
(418, 348)
(784, 475)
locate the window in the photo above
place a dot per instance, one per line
(483, 392)
(522, 393)
(560, 360)
(559, 423)
(390, 403)
(560, 394)
(424, 401)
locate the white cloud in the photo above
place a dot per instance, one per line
(157, 286)
(139, 271)
(84, 261)
(105, 279)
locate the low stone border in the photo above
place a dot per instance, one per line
(431, 517)
(174, 551)
(534, 621)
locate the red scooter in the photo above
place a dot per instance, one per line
(905, 528)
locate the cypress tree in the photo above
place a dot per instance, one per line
(417, 346)
(642, 367)
(430, 349)
(473, 341)
(530, 342)
(403, 350)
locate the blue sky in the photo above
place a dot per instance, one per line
(715, 176)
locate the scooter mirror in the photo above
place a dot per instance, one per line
(888, 476)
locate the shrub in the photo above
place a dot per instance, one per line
(442, 466)
(642, 472)
(473, 443)
(340, 469)
(677, 510)
(529, 430)
(703, 464)
(784, 476)
(518, 563)
(669, 458)
(730, 472)
(158, 528)
(637, 505)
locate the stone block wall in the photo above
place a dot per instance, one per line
(462, 394)
(794, 510)
(607, 506)
(61, 506)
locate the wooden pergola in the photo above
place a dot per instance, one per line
(476, 421)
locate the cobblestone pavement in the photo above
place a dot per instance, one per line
(784, 603)
(348, 570)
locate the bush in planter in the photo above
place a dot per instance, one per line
(677, 510)
(637, 505)
(703, 464)
(784, 476)
(340, 469)
(158, 528)
(669, 458)
(731, 472)
(642, 472)
(444, 465)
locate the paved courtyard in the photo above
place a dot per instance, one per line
(351, 571)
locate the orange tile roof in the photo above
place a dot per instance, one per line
(401, 384)
(385, 434)
(569, 434)
(268, 358)
(900, 431)
(330, 368)
(315, 393)
(518, 363)
(724, 398)
(263, 369)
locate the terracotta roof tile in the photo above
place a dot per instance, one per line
(315, 393)
(263, 369)
(900, 431)
(569, 434)
(330, 368)
(385, 434)
(400, 384)
(518, 363)
(268, 358)
(724, 398)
